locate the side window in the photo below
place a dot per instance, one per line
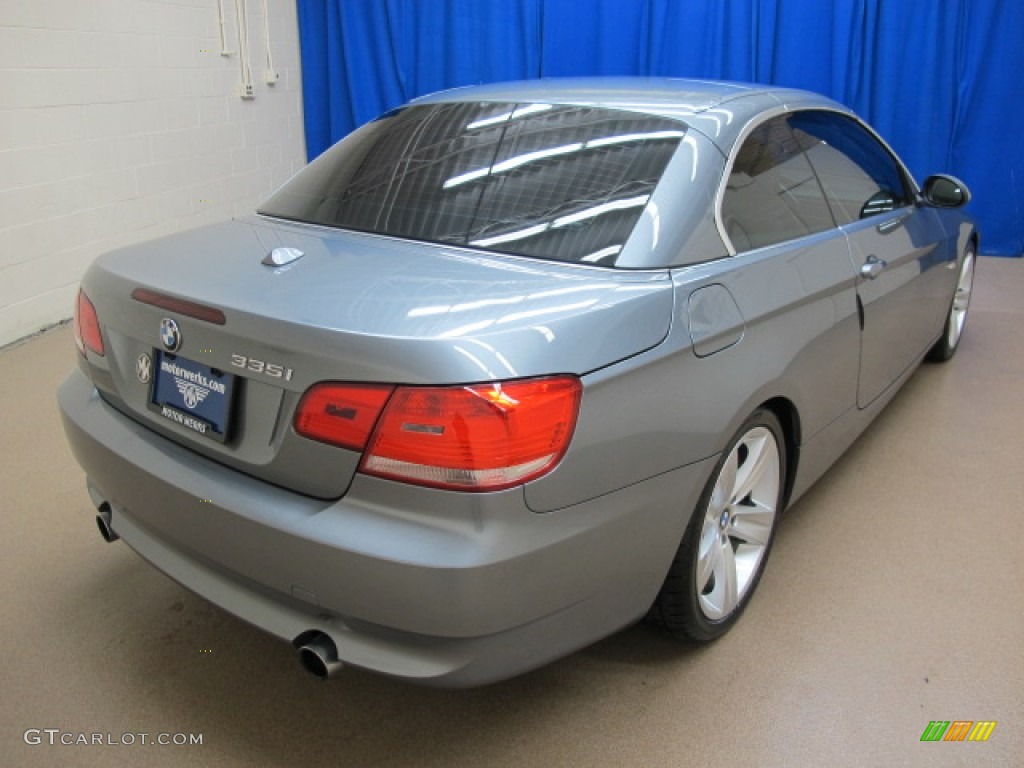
(772, 194)
(860, 177)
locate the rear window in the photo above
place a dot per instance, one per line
(555, 182)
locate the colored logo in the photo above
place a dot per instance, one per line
(958, 730)
(170, 335)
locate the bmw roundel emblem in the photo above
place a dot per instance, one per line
(170, 335)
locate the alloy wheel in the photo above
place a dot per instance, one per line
(738, 523)
(961, 300)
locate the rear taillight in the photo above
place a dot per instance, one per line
(87, 326)
(475, 438)
(341, 414)
(481, 437)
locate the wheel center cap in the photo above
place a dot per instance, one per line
(723, 521)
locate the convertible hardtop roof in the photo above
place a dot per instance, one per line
(669, 97)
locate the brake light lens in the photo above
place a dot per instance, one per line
(179, 306)
(87, 326)
(482, 437)
(341, 414)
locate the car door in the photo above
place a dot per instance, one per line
(897, 245)
(792, 278)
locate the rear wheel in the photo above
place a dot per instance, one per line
(725, 546)
(945, 347)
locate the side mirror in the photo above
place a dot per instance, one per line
(945, 191)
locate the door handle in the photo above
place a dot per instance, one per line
(873, 267)
(888, 226)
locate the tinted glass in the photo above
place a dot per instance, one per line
(772, 194)
(557, 182)
(860, 177)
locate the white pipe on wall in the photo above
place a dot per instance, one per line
(245, 88)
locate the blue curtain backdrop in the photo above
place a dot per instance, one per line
(942, 80)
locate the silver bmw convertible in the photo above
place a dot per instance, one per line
(512, 367)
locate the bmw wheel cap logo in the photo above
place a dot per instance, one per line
(170, 335)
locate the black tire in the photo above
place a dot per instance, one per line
(684, 605)
(956, 317)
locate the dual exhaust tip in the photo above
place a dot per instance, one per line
(317, 652)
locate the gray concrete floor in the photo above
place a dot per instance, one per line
(894, 596)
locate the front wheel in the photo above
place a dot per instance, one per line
(727, 541)
(946, 346)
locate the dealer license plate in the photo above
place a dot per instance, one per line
(191, 394)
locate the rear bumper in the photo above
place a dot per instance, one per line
(438, 587)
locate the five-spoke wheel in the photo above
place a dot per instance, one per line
(738, 522)
(725, 546)
(946, 346)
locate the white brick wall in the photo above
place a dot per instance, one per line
(120, 121)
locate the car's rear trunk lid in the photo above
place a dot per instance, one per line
(353, 307)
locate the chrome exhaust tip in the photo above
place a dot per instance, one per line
(318, 654)
(103, 523)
